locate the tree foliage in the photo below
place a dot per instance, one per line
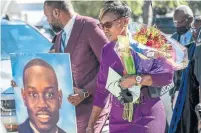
(136, 7)
(87, 8)
(91, 8)
(163, 7)
(195, 6)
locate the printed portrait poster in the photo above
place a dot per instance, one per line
(44, 82)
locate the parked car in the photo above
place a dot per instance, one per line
(2, 128)
(16, 37)
(165, 24)
(8, 112)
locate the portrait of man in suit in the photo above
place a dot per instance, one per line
(42, 97)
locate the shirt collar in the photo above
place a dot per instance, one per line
(68, 27)
(186, 38)
(35, 130)
(188, 33)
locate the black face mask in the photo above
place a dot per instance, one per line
(182, 30)
(56, 29)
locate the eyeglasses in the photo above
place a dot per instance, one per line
(107, 25)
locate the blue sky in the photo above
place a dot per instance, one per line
(61, 65)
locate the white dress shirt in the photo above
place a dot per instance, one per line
(35, 130)
(68, 28)
(186, 38)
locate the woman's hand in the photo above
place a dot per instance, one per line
(89, 130)
(96, 111)
(127, 82)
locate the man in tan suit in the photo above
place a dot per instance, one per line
(83, 39)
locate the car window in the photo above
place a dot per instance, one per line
(165, 24)
(8, 104)
(165, 21)
(22, 39)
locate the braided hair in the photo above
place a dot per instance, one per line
(117, 7)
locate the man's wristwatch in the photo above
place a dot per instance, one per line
(138, 80)
(85, 93)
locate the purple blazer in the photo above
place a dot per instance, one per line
(84, 45)
(149, 115)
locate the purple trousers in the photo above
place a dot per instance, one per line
(149, 116)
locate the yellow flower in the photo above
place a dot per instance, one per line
(135, 37)
(142, 39)
(149, 30)
(155, 32)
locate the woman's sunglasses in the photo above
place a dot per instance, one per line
(107, 25)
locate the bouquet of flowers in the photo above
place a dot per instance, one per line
(148, 42)
(152, 37)
(152, 43)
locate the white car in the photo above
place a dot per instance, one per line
(16, 37)
(2, 128)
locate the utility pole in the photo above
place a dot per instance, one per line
(4, 6)
(147, 12)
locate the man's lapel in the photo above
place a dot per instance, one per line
(175, 36)
(28, 128)
(74, 36)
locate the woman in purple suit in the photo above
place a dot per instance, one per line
(149, 114)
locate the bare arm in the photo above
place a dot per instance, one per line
(146, 80)
(157, 80)
(94, 117)
(130, 81)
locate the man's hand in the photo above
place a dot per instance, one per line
(13, 83)
(89, 130)
(76, 98)
(52, 51)
(199, 126)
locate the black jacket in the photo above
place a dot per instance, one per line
(26, 128)
(187, 119)
(197, 58)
